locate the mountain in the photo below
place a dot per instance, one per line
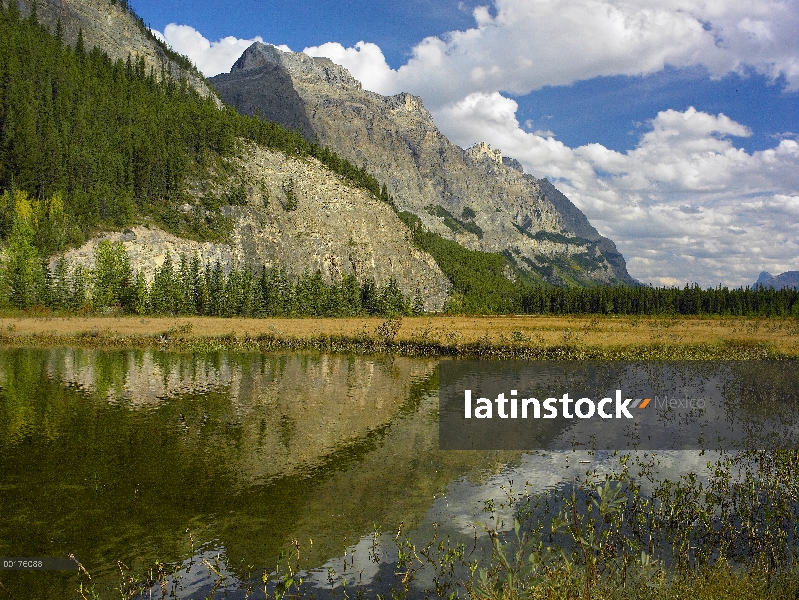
(789, 279)
(763, 278)
(116, 30)
(475, 196)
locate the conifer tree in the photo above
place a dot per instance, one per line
(165, 293)
(80, 49)
(112, 278)
(79, 296)
(59, 294)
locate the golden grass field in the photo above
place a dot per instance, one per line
(780, 335)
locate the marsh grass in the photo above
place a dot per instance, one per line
(490, 337)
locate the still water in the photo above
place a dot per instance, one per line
(142, 456)
(213, 464)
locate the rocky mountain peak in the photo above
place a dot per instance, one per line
(483, 150)
(788, 279)
(474, 197)
(257, 56)
(764, 278)
(298, 64)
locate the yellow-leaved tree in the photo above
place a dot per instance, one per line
(23, 273)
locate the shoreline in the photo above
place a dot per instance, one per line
(491, 337)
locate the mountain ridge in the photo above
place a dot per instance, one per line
(788, 279)
(394, 137)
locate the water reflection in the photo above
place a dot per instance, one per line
(281, 414)
(135, 456)
(222, 460)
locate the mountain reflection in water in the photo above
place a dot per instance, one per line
(142, 456)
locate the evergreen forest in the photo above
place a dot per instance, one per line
(480, 286)
(100, 144)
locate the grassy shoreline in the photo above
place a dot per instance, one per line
(524, 337)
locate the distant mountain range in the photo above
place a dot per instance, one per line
(789, 279)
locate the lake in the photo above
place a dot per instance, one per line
(205, 471)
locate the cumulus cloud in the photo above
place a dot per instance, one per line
(365, 61)
(684, 205)
(528, 45)
(211, 58)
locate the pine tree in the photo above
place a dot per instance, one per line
(112, 278)
(80, 49)
(79, 295)
(418, 303)
(164, 297)
(141, 294)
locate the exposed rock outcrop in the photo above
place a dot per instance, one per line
(327, 225)
(471, 196)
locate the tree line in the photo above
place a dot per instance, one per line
(480, 285)
(646, 300)
(186, 286)
(180, 286)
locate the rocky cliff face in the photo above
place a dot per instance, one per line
(476, 196)
(302, 217)
(112, 28)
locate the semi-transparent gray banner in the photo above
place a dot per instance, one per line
(615, 405)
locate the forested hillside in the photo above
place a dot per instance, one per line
(101, 144)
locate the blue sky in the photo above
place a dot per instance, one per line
(671, 123)
(395, 26)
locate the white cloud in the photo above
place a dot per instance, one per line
(365, 62)
(211, 58)
(530, 44)
(684, 205)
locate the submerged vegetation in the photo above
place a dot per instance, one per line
(624, 535)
